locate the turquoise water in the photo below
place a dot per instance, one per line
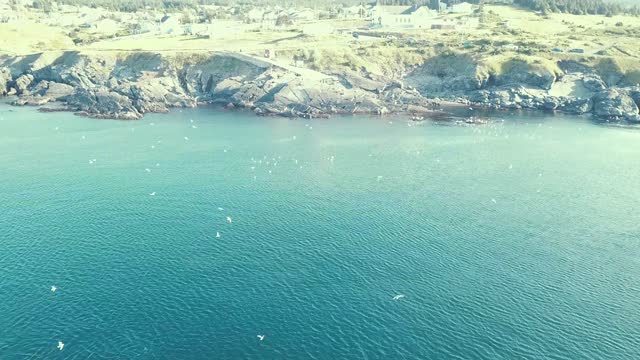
(518, 240)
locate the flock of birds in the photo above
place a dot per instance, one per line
(268, 162)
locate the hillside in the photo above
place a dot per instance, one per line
(581, 7)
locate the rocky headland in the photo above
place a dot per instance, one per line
(127, 86)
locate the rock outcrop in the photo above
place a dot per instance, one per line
(108, 86)
(5, 79)
(615, 104)
(127, 87)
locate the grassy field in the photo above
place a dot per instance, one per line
(610, 43)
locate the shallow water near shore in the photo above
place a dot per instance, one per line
(512, 240)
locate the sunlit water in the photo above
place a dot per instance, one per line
(516, 240)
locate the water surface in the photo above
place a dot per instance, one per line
(515, 240)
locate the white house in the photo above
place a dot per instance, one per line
(403, 16)
(462, 8)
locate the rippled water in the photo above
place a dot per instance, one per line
(518, 240)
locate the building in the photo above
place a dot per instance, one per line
(462, 8)
(403, 16)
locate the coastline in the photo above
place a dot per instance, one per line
(125, 87)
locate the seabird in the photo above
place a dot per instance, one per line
(60, 345)
(261, 337)
(217, 234)
(220, 209)
(147, 170)
(229, 219)
(398, 297)
(379, 177)
(153, 193)
(186, 138)
(53, 288)
(493, 201)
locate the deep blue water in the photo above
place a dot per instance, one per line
(515, 240)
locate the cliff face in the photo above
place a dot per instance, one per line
(108, 85)
(126, 87)
(530, 83)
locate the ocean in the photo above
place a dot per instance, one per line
(343, 238)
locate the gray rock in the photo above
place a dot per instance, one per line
(593, 82)
(634, 119)
(22, 83)
(577, 106)
(550, 103)
(5, 79)
(103, 103)
(615, 103)
(51, 90)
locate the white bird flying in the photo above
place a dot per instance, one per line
(217, 234)
(261, 337)
(229, 219)
(398, 297)
(153, 194)
(60, 345)
(53, 288)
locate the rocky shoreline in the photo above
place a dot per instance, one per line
(125, 87)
